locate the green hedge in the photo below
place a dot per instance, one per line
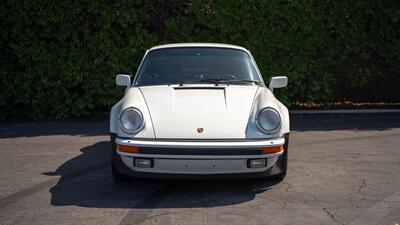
(304, 40)
(62, 56)
(59, 58)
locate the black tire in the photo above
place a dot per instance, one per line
(283, 160)
(119, 177)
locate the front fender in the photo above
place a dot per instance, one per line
(265, 98)
(132, 98)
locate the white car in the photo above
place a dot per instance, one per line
(199, 110)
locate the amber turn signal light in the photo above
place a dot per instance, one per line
(272, 150)
(130, 149)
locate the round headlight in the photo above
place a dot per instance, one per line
(131, 120)
(268, 120)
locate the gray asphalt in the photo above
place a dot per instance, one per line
(343, 169)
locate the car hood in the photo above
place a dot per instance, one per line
(199, 112)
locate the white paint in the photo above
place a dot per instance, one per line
(278, 82)
(133, 98)
(195, 45)
(123, 80)
(200, 156)
(222, 111)
(195, 166)
(202, 144)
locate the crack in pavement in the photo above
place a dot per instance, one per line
(363, 183)
(332, 216)
(143, 208)
(350, 199)
(290, 188)
(160, 215)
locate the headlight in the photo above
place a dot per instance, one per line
(131, 120)
(268, 120)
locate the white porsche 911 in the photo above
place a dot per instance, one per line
(199, 110)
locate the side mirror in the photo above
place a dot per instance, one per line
(278, 82)
(123, 80)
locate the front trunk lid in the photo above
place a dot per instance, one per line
(200, 111)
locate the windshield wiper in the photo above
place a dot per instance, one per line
(240, 81)
(208, 80)
(217, 81)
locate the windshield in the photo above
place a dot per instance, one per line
(197, 65)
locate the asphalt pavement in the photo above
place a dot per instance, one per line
(343, 169)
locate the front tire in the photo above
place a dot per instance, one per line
(283, 160)
(117, 176)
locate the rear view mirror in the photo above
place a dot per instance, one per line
(123, 80)
(278, 82)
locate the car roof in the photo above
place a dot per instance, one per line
(186, 45)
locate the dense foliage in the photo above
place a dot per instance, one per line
(306, 40)
(59, 58)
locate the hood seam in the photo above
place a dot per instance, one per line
(148, 109)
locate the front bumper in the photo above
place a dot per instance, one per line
(200, 158)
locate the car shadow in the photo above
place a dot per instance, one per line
(86, 181)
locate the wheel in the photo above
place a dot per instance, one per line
(117, 175)
(283, 159)
(283, 166)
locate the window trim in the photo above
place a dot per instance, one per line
(252, 60)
